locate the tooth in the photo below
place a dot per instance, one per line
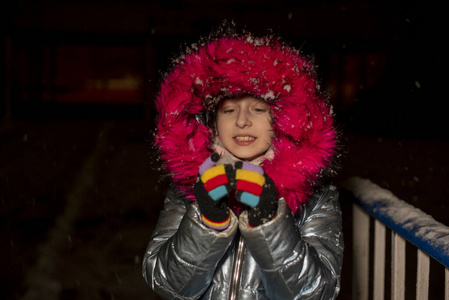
(244, 138)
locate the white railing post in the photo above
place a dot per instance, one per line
(360, 271)
(379, 260)
(422, 276)
(398, 267)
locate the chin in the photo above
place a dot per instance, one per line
(247, 157)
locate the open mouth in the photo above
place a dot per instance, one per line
(245, 138)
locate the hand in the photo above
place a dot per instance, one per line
(211, 188)
(255, 189)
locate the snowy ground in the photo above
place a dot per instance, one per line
(79, 201)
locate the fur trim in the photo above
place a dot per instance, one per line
(265, 68)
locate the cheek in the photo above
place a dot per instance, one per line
(267, 133)
(221, 126)
(269, 127)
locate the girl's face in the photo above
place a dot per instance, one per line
(244, 126)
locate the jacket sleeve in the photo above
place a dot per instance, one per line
(182, 255)
(302, 258)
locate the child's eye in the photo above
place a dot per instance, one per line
(229, 110)
(260, 110)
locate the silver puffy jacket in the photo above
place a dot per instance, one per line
(286, 258)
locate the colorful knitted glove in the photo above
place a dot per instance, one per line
(255, 189)
(210, 189)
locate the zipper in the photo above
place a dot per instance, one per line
(237, 268)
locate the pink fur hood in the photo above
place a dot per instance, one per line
(263, 67)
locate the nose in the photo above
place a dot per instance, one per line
(243, 119)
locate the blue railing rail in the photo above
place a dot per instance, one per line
(417, 227)
(407, 224)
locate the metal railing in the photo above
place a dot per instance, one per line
(407, 224)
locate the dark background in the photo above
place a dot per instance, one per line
(79, 196)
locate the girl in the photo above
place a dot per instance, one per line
(248, 141)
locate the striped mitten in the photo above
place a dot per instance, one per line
(255, 189)
(210, 189)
